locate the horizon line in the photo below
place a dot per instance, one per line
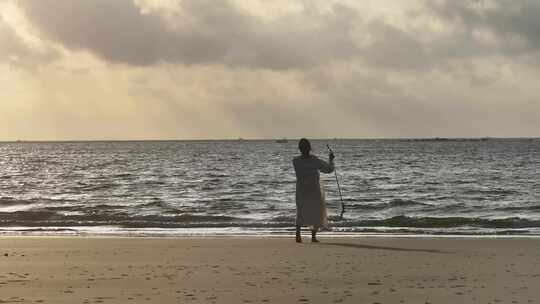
(257, 139)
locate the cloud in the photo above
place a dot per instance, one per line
(200, 32)
(11, 45)
(423, 47)
(221, 32)
(214, 69)
(14, 51)
(10, 41)
(513, 26)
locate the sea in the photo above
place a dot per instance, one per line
(429, 187)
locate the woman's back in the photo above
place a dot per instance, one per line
(309, 167)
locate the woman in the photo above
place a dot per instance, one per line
(310, 204)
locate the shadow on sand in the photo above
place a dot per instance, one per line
(360, 246)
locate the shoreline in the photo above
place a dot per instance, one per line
(210, 233)
(268, 236)
(157, 235)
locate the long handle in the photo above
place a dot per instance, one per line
(339, 188)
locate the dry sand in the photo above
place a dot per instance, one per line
(269, 270)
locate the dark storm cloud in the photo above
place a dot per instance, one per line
(470, 30)
(392, 47)
(205, 31)
(514, 23)
(218, 32)
(397, 48)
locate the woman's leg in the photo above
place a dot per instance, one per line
(314, 235)
(298, 236)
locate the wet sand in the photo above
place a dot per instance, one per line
(269, 270)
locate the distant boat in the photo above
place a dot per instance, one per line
(282, 141)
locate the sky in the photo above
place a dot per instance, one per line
(207, 69)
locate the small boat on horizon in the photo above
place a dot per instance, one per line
(282, 141)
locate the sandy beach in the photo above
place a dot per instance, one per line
(269, 270)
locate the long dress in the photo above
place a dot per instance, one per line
(310, 198)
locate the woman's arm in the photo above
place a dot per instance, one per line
(325, 167)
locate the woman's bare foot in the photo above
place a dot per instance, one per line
(314, 236)
(298, 235)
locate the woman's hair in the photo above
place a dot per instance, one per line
(304, 146)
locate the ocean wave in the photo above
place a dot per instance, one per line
(28, 216)
(10, 201)
(382, 178)
(13, 205)
(186, 220)
(463, 182)
(40, 229)
(274, 182)
(405, 202)
(283, 219)
(10, 205)
(155, 203)
(395, 203)
(435, 231)
(445, 222)
(123, 176)
(217, 176)
(490, 192)
(96, 186)
(519, 208)
(241, 185)
(99, 217)
(226, 204)
(450, 207)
